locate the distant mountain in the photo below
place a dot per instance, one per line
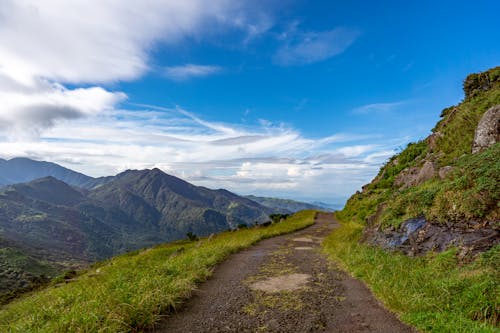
(327, 206)
(20, 170)
(53, 225)
(285, 206)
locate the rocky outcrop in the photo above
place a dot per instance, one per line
(488, 130)
(414, 176)
(417, 237)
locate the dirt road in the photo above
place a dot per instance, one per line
(283, 284)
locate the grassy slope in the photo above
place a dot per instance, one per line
(434, 293)
(470, 192)
(130, 292)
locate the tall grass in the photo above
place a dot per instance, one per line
(433, 293)
(131, 292)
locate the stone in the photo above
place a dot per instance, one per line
(488, 130)
(415, 176)
(445, 171)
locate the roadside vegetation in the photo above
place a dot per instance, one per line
(432, 293)
(131, 292)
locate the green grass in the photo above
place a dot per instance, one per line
(131, 292)
(433, 293)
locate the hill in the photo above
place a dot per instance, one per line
(133, 291)
(425, 233)
(21, 170)
(62, 227)
(285, 206)
(445, 188)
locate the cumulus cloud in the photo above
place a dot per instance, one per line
(28, 112)
(185, 72)
(302, 48)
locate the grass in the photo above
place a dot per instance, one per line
(131, 292)
(433, 293)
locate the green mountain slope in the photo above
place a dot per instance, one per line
(61, 227)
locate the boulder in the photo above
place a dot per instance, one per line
(488, 130)
(416, 176)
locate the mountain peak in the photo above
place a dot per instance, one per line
(49, 189)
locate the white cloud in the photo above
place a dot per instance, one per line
(46, 46)
(103, 41)
(185, 72)
(301, 48)
(263, 158)
(27, 113)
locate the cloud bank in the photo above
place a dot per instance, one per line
(265, 159)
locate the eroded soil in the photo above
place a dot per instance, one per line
(283, 284)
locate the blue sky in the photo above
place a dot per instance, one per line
(298, 99)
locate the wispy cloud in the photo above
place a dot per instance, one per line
(188, 71)
(378, 108)
(302, 48)
(261, 158)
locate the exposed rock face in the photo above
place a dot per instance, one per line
(415, 176)
(417, 237)
(488, 130)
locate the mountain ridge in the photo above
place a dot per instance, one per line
(68, 227)
(23, 169)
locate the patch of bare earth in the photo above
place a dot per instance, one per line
(279, 286)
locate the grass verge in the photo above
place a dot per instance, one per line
(432, 293)
(131, 292)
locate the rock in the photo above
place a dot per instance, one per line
(406, 177)
(417, 237)
(432, 140)
(445, 171)
(488, 130)
(427, 172)
(415, 176)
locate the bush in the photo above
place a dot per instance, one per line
(191, 237)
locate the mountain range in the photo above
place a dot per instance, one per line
(287, 206)
(48, 225)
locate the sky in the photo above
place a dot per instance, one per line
(295, 99)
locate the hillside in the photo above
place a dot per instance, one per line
(446, 187)
(133, 291)
(57, 226)
(285, 206)
(424, 234)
